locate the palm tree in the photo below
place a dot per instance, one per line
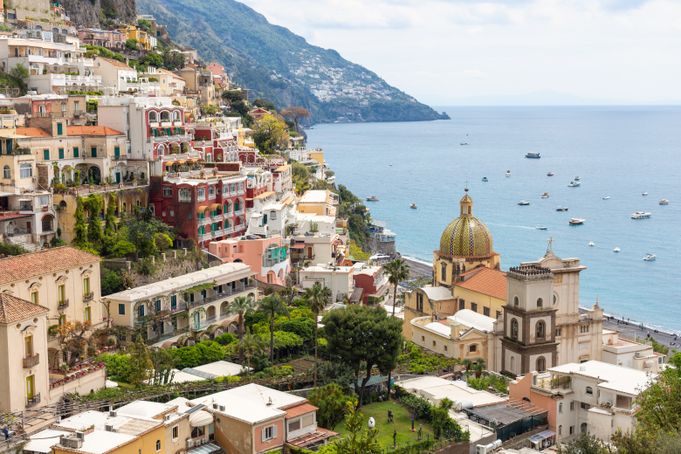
(478, 367)
(272, 305)
(317, 297)
(397, 270)
(241, 306)
(251, 345)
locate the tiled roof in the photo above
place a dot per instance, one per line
(25, 266)
(92, 131)
(300, 410)
(486, 281)
(32, 132)
(13, 309)
(116, 63)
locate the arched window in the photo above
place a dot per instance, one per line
(516, 301)
(514, 328)
(512, 363)
(540, 329)
(541, 366)
(176, 115)
(153, 117)
(555, 299)
(540, 303)
(6, 173)
(583, 428)
(165, 116)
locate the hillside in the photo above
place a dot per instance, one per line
(278, 65)
(98, 13)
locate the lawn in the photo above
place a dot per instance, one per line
(401, 423)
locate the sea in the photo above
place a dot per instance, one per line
(618, 152)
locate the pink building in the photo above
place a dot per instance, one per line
(267, 257)
(373, 282)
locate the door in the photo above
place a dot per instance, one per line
(118, 177)
(197, 320)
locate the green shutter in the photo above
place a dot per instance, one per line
(46, 155)
(117, 152)
(60, 129)
(93, 152)
(76, 152)
(61, 153)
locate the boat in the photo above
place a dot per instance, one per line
(562, 209)
(574, 184)
(577, 178)
(664, 202)
(577, 221)
(463, 144)
(372, 198)
(508, 173)
(484, 179)
(592, 244)
(412, 206)
(606, 197)
(641, 215)
(541, 227)
(649, 258)
(533, 155)
(644, 194)
(616, 249)
(545, 195)
(523, 203)
(550, 174)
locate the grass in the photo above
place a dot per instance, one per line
(401, 423)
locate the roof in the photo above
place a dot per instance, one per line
(232, 270)
(9, 215)
(116, 63)
(436, 389)
(473, 319)
(92, 131)
(144, 409)
(437, 293)
(25, 266)
(44, 440)
(13, 309)
(486, 281)
(300, 410)
(32, 132)
(216, 369)
(314, 196)
(610, 376)
(439, 328)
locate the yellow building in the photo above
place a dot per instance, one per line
(319, 201)
(317, 155)
(145, 41)
(482, 290)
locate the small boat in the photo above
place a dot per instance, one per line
(523, 203)
(463, 144)
(412, 206)
(649, 258)
(533, 155)
(372, 198)
(541, 227)
(577, 178)
(484, 179)
(545, 195)
(641, 215)
(664, 202)
(508, 173)
(577, 221)
(616, 249)
(592, 244)
(606, 197)
(574, 184)
(550, 174)
(562, 209)
(644, 194)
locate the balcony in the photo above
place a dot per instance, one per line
(219, 296)
(61, 305)
(87, 297)
(31, 361)
(33, 401)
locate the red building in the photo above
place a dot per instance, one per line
(203, 206)
(373, 282)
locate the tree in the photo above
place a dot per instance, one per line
(331, 402)
(296, 113)
(252, 346)
(585, 444)
(272, 305)
(80, 227)
(360, 439)
(317, 297)
(163, 364)
(397, 271)
(363, 337)
(300, 177)
(443, 425)
(110, 217)
(20, 75)
(94, 229)
(269, 134)
(241, 306)
(265, 104)
(131, 44)
(140, 362)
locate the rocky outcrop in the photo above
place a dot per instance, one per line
(98, 13)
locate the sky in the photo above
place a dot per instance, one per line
(447, 52)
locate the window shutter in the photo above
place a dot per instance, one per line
(274, 431)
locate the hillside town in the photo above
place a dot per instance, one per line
(181, 273)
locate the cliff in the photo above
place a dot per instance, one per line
(98, 13)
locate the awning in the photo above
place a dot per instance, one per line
(298, 246)
(179, 161)
(215, 205)
(201, 208)
(200, 418)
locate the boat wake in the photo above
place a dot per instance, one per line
(512, 226)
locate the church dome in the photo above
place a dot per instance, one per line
(466, 236)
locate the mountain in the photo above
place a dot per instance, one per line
(100, 13)
(276, 64)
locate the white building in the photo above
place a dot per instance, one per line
(338, 279)
(116, 75)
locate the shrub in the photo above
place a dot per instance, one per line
(225, 339)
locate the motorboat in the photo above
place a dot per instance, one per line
(644, 194)
(649, 258)
(577, 178)
(562, 209)
(550, 174)
(664, 202)
(574, 184)
(592, 244)
(545, 195)
(606, 197)
(508, 173)
(577, 221)
(616, 249)
(484, 179)
(641, 215)
(372, 198)
(541, 227)
(523, 203)
(533, 155)
(412, 206)
(463, 144)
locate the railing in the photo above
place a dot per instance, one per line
(204, 221)
(219, 296)
(31, 361)
(63, 304)
(33, 401)
(87, 297)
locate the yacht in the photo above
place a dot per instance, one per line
(545, 195)
(562, 209)
(649, 258)
(372, 198)
(664, 202)
(463, 144)
(523, 203)
(577, 221)
(616, 249)
(606, 197)
(644, 194)
(577, 178)
(574, 184)
(641, 215)
(412, 206)
(550, 174)
(541, 227)
(484, 179)
(508, 173)
(592, 244)
(533, 155)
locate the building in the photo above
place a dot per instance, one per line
(116, 75)
(253, 419)
(482, 290)
(190, 302)
(145, 41)
(111, 39)
(381, 239)
(338, 279)
(628, 353)
(269, 216)
(373, 282)
(594, 397)
(320, 202)
(267, 257)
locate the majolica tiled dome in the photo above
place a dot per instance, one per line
(466, 236)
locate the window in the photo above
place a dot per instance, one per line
(93, 152)
(514, 329)
(167, 191)
(121, 309)
(87, 314)
(176, 432)
(30, 387)
(76, 152)
(176, 115)
(165, 116)
(61, 153)
(540, 329)
(61, 294)
(555, 299)
(35, 297)
(589, 390)
(560, 429)
(269, 433)
(582, 428)
(498, 315)
(443, 271)
(185, 195)
(584, 329)
(25, 170)
(434, 343)
(86, 285)
(445, 348)
(60, 129)
(294, 425)
(557, 332)
(46, 155)
(472, 348)
(117, 152)
(474, 307)
(201, 194)
(572, 430)
(76, 106)
(153, 118)
(462, 304)
(516, 301)
(485, 311)
(540, 303)
(140, 310)
(173, 302)
(560, 407)
(423, 338)
(157, 305)
(273, 215)
(211, 192)
(541, 365)
(28, 346)
(584, 406)
(419, 302)
(572, 406)
(158, 445)
(6, 172)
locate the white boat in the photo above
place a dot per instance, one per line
(577, 221)
(664, 202)
(562, 209)
(545, 195)
(523, 203)
(574, 184)
(641, 215)
(649, 258)
(550, 174)
(463, 144)
(508, 173)
(606, 197)
(372, 198)
(592, 244)
(644, 194)
(412, 206)
(577, 178)
(532, 155)
(484, 179)
(616, 249)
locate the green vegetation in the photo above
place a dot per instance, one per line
(416, 360)
(332, 402)
(270, 134)
(92, 51)
(352, 209)
(11, 249)
(486, 381)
